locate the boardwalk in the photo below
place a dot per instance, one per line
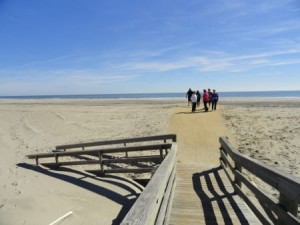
(207, 197)
(203, 193)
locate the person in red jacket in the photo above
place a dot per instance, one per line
(205, 97)
(209, 95)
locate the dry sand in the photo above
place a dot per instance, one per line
(267, 130)
(30, 195)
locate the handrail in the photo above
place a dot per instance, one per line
(124, 141)
(106, 150)
(287, 185)
(152, 206)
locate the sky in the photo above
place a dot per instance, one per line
(50, 47)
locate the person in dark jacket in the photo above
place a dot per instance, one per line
(189, 95)
(198, 98)
(214, 99)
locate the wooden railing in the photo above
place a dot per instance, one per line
(269, 211)
(165, 137)
(153, 205)
(161, 149)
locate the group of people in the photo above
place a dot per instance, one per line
(210, 99)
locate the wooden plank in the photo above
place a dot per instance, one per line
(107, 150)
(72, 163)
(146, 207)
(119, 141)
(253, 207)
(162, 214)
(155, 158)
(272, 206)
(226, 172)
(225, 159)
(123, 170)
(213, 203)
(282, 181)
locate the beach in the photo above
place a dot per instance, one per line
(30, 195)
(267, 130)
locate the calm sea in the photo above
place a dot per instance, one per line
(248, 94)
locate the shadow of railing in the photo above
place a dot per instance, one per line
(214, 195)
(126, 201)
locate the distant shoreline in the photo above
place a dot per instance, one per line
(246, 94)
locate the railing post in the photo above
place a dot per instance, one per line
(126, 153)
(56, 159)
(289, 205)
(101, 162)
(161, 152)
(37, 160)
(221, 149)
(239, 169)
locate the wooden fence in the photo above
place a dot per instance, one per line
(165, 138)
(153, 205)
(105, 157)
(281, 211)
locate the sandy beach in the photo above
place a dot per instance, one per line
(267, 130)
(29, 195)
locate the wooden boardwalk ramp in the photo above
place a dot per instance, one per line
(206, 196)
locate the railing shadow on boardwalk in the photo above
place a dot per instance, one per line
(125, 201)
(204, 187)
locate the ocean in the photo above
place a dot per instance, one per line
(246, 94)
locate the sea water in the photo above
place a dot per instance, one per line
(246, 94)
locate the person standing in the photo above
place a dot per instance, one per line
(214, 99)
(194, 101)
(189, 95)
(209, 95)
(205, 99)
(198, 98)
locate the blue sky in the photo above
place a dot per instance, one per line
(117, 46)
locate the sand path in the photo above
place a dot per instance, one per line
(198, 135)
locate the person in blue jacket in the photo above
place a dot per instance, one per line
(214, 99)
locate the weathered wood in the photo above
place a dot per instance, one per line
(287, 185)
(146, 207)
(252, 206)
(171, 137)
(123, 170)
(72, 163)
(280, 212)
(161, 218)
(226, 172)
(206, 196)
(107, 150)
(278, 179)
(155, 158)
(226, 161)
(288, 203)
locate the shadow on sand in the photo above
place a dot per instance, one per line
(190, 112)
(125, 201)
(213, 194)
